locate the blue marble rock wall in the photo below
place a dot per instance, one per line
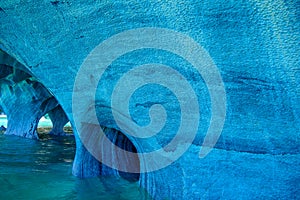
(25, 100)
(255, 46)
(59, 119)
(22, 98)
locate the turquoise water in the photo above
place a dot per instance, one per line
(3, 121)
(31, 169)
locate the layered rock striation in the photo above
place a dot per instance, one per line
(253, 44)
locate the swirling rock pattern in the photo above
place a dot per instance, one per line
(25, 100)
(254, 44)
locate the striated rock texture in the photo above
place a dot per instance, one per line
(86, 165)
(59, 119)
(254, 44)
(24, 105)
(25, 100)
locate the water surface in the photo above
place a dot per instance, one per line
(31, 169)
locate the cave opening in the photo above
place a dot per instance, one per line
(54, 123)
(121, 158)
(3, 121)
(30, 110)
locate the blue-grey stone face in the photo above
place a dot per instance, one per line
(253, 44)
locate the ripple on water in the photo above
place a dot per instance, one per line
(31, 169)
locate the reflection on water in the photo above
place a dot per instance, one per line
(31, 169)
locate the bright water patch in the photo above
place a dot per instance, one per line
(3, 121)
(44, 122)
(31, 169)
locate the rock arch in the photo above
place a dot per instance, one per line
(59, 119)
(255, 45)
(25, 100)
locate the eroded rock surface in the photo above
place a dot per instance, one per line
(24, 105)
(85, 165)
(23, 99)
(255, 46)
(59, 119)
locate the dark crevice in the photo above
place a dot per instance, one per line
(1, 10)
(54, 3)
(120, 140)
